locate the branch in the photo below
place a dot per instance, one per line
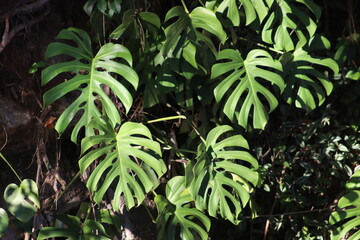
(5, 38)
(25, 9)
(9, 35)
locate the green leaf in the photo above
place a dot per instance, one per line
(151, 21)
(176, 218)
(125, 156)
(345, 49)
(18, 198)
(353, 74)
(102, 5)
(262, 7)
(128, 18)
(242, 83)
(187, 51)
(205, 19)
(306, 86)
(346, 218)
(35, 67)
(287, 21)
(107, 216)
(185, 34)
(75, 229)
(220, 184)
(354, 182)
(89, 6)
(4, 221)
(233, 7)
(90, 75)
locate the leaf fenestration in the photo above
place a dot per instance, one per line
(131, 158)
(176, 216)
(347, 216)
(220, 183)
(306, 86)
(286, 20)
(88, 74)
(242, 83)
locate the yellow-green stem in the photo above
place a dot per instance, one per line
(12, 169)
(184, 5)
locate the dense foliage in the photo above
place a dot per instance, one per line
(223, 113)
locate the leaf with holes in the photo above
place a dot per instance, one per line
(232, 10)
(4, 221)
(252, 9)
(130, 161)
(74, 229)
(184, 35)
(177, 217)
(287, 20)
(221, 182)
(243, 83)
(346, 219)
(306, 85)
(89, 75)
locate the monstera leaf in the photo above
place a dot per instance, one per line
(131, 161)
(243, 84)
(346, 219)
(184, 33)
(4, 221)
(346, 53)
(305, 84)
(139, 22)
(232, 10)
(177, 217)
(286, 20)
(220, 184)
(75, 229)
(90, 74)
(252, 9)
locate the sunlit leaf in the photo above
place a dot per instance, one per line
(130, 159)
(223, 175)
(188, 26)
(306, 85)
(89, 75)
(244, 82)
(22, 201)
(288, 24)
(176, 217)
(346, 219)
(4, 221)
(75, 229)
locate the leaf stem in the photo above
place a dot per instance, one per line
(187, 117)
(184, 5)
(262, 45)
(197, 132)
(166, 118)
(202, 4)
(151, 216)
(2, 156)
(68, 186)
